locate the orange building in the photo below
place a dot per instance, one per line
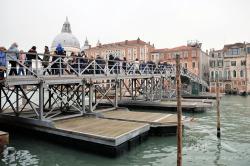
(131, 49)
(191, 57)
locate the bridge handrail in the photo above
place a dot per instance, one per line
(78, 65)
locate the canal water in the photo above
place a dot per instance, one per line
(200, 147)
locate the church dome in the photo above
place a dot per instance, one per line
(68, 41)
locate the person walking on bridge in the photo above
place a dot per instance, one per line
(46, 58)
(21, 59)
(29, 57)
(12, 57)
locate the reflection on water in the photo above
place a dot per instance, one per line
(11, 156)
(200, 144)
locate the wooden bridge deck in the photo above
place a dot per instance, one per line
(105, 131)
(154, 119)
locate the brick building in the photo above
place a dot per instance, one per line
(131, 49)
(191, 57)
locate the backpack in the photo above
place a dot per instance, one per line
(2, 59)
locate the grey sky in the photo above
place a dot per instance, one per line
(166, 23)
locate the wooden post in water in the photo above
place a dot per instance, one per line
(4, 140)
(179, 111)
(218, 108)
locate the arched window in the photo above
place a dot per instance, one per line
(229, 74)
(212, 74)
(216, 75)
(234, 74)
(241, 73)
(225, 74)
(220, 75)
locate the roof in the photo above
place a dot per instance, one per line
(227, 46)
(179, 48)
(123, 43)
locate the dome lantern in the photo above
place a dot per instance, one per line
(68, 41)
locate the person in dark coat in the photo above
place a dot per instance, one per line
(111, 63)
(12, 57)
(30, 57)
(56, 63)
(46, 58)
(100, 65)
(117, 65)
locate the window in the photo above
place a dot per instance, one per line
(225, 74)
(186, 65)
(212, 74)
(227, 63)
(234, 74)
(216, 75)
(241, 73)
(212, 63)
(229, 74)
(220, 75)
(243, 63)
(233, 63)
(234, 51)
(130, 54)
(193, 64)
(220, 63)
(248, 50)
(193, 53)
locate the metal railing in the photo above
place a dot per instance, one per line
(60, 65)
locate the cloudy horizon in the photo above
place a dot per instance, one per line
(167, 23)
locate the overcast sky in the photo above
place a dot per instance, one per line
(166, 23)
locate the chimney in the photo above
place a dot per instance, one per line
(138, 40)
(126, 41)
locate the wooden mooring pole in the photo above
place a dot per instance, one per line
(218, 108)
(179, 112)
(4, 140)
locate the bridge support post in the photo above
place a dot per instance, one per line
(116, 93)
(161, 88)
(41, 99)
(17, 101)
(120, 84)
(83, 97)
(152, 89)
(132, 88)
(90, 96)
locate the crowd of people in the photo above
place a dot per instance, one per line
(58, 63)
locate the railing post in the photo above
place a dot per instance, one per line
(41, 98)
(36, 64)
(17, 101)
(78, 60)
(116, 93)
(60, 66)
(90, 96)
(83, 97)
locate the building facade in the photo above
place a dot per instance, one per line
(231, 67)
(191, 57)
(131, 49)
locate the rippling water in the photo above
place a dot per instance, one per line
(200, 147)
